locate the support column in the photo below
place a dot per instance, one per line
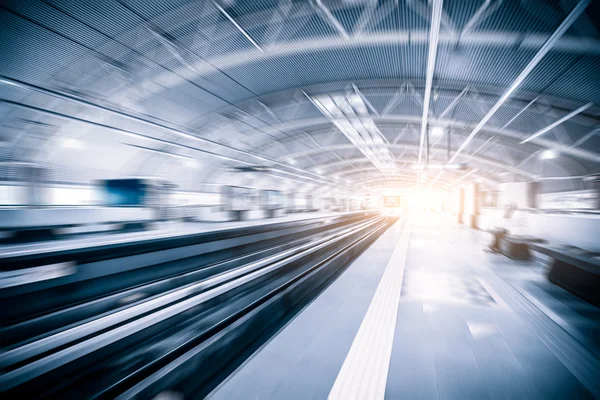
(461, 205)
(533, 189)
(472, 205)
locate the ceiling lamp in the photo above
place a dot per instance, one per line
(350, 115)
(191, 163)
(72, 143)
(548, 154)
(437, 131)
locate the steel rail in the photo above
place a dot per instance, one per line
(154, 311)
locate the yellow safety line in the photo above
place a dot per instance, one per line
(364, 372)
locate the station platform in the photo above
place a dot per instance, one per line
(425, 313)
(160, 230)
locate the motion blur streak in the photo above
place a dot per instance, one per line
(283, 199)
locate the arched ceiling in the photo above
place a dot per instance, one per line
(193, 89)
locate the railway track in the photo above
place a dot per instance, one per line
(180, 331)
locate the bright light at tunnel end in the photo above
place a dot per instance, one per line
(415, 200)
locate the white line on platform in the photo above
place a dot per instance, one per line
(364, 372)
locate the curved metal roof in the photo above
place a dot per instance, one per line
(190, 88)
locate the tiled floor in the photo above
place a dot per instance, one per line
(530, 278)
(470, 325)
(432, 286)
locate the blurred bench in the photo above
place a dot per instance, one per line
(516, 247)
(574, 269)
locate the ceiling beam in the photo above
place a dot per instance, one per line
(458, 125)
(390, 104)
(238, 27)
(448, 91)
(136, 134)
(564, 26)
(366, 101)
(465, 175)
(371, 183)
(277, 21)
(586, 137)
(557, 122)
(349, 113)
(494, 39)
(545, 49)
(497, 164)
(434, 33)
(365, 17)
(330, 18)
(483, 145)
(422, 10)
(453, 103)
(521, 111)
(355, 176)
(481, 15)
